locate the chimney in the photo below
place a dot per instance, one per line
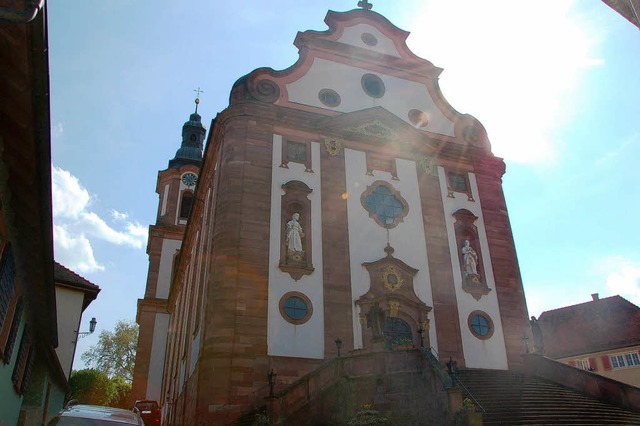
(595, 296)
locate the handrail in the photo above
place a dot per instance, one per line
(454, 377)
(475, 401)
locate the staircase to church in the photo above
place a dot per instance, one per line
(511, 398)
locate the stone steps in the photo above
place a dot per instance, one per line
(515, 399)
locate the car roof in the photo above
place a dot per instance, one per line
(101, 413)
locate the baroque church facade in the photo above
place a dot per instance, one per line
(341, 206)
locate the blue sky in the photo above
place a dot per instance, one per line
(554, 82)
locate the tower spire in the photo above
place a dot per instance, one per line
(193, 132)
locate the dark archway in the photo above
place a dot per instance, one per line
(397, 332)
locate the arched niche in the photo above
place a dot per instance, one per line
(296, 260)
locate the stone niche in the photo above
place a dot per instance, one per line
(297, 262)
(474, 279)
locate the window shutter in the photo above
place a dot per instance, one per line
(572, 363)
(13, 333)
(592, 364)
(605, 362)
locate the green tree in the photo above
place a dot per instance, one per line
(122, 394)
(91, 387)
(115, 352)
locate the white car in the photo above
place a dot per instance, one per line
(95, 415)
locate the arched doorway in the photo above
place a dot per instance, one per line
(397, 332)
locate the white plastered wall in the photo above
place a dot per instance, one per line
(283, 338)
(478, 353)
(169, 248)
(400, 96)
(353, 36)
(156, 362)
(367, 239)
(69, 310)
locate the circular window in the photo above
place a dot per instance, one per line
(418, 118)
(373, 85)
(369, 39)
(295, 308)
(329, 97)
(480, 325)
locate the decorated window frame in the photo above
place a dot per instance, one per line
(458, 181)
(370, 192)
(286, 159)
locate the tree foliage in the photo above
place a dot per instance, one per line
(91, 387)
(115, 352)
(122, 393)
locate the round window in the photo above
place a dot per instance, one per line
(480, 325)
(295, 307)
(329, 97)
(369, 39)
(418, 118)
(373, 85)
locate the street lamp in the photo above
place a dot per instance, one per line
(338, 345)
(92, 328)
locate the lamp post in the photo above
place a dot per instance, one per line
(421, 332)
(272, 379)
(92, 328)
(338, 345)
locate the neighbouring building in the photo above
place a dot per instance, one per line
(630, 9)
(340, 204)
(602, 336)
(73, 295)
(33, 382)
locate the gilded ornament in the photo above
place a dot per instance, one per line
(393, 308)
(334, 146)
(391, 279)
(429, 165)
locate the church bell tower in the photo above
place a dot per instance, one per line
(175, 186)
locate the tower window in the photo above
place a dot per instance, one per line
(193, 138)
(185, 205)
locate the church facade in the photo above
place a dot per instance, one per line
(341, 205)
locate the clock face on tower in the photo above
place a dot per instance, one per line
(189, 179)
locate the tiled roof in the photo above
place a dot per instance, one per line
(67, 276)
(598, 325)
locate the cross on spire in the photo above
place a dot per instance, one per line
(365, 5)
(198, 91)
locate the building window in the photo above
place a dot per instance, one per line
(7, 282)
(13, 332)
(397, 332)
(583, 364)
(480, 325)
(296, 308)
(22, 367)
(296, 152)
(373, 85)
(369, 39)
(384, 204)
(329, 98)
(186, 204)
(625, 360)
(458, 182)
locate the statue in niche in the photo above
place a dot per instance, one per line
(470, 258)
(375, 321)
(293, 238)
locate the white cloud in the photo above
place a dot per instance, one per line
(69, 197)
(57, 130)
(513, 65)
(622, 276)
(118, 215)
(76, 227)
(74, 252)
